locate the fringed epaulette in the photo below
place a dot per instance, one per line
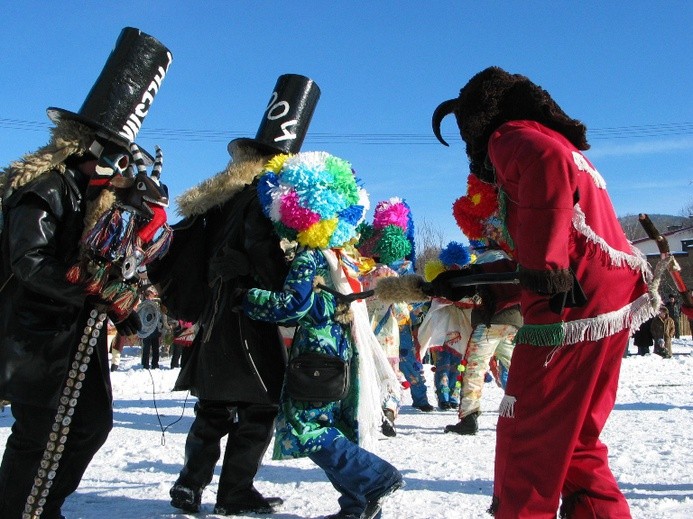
(546, 281)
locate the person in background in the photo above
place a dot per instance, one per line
(183, 335)
(662, 329)
(51, 198)
(674, 309)
(151, 342)
(642, 338)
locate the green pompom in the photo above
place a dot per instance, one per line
(393, 245)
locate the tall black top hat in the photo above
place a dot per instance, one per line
(286, 118)
(124, 91)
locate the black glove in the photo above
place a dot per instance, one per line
(128, 326)
(228, 264)
(441, 286)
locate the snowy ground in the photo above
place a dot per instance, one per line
(649, 434)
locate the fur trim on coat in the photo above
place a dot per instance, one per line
(67, 138)
(221, 187)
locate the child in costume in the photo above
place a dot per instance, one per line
(446, 329)
(390, 242)
(313, 198)
(496, 319)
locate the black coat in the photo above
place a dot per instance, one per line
(42, 315)
(234, 359)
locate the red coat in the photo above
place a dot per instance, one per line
(559, 216)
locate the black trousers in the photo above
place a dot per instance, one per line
(249, 428)
(91, 423)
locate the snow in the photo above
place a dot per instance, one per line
(649, 436)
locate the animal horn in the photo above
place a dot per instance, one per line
(158, 163)
(444, 108)
(138, 158)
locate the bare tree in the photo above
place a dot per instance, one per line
(429, 243)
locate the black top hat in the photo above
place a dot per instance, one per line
(286, 119)
(124, 91)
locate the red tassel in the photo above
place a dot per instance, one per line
(98, 280)
(75, 274)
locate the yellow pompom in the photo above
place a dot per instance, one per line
(432, 269)
(276, 163)
(317, 236)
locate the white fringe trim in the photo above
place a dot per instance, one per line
(636, 260)
(583, 165)
(595, 328)
(507, 407)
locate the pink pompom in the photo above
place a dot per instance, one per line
(391, 212)
(293, 215)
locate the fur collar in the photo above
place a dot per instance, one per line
(67, 138)
(221, 187)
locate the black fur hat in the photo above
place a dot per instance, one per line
(493, 97)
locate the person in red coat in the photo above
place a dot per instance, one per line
(584, 290)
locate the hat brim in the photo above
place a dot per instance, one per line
(58, 114)
(261, 147)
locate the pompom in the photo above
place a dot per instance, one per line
(391, 212)
(314, 196)
(392, 245)
(432, 269)
(455, 254)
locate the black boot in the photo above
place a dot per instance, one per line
(250, 502)
(468, 425)
(388, 426)
(185, 498)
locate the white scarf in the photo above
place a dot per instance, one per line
(376, 377)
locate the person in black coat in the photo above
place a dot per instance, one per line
(642, 337)
(224, 246)
(49, 198)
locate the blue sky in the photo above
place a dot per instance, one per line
(624, 68)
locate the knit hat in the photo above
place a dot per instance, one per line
(313, 198)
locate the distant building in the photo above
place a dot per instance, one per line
(680, 240)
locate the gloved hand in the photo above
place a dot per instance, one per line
(441, 286)
(228, 264)
(130, 325)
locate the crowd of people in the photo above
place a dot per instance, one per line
(544, 299)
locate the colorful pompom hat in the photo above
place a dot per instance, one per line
(123, 93)
(391, 236)
(286, 119)
(313, 198)
(453, 256)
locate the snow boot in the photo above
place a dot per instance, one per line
(388, 426)
(468, 425)
(374, 502)
(185, 498)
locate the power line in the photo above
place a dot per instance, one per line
(189, 134)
